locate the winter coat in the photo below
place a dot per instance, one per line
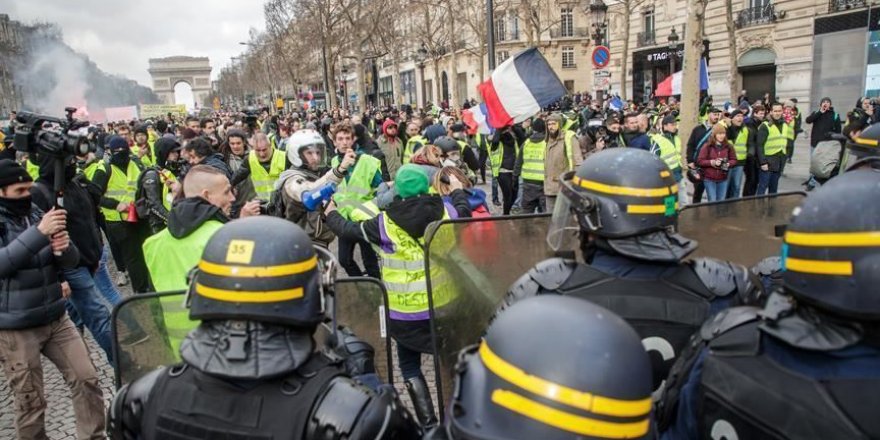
(823, 125)
(711, 151)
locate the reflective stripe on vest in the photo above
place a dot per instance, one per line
(670, 153)
(403, 272)
(355, 194)
(169, 260)
(264, 181)
(741, 144)
(121, 187)
(533, 160)
(776, 140)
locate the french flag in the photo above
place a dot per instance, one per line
(672, 84)
(519, 88)
(475, 119)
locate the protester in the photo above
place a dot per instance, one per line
(824, 122)
(715, 159)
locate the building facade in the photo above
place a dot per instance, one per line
(10, 49)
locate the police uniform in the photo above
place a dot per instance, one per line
(625, 202)
(806, 365)
(250, 369)
(592, 382)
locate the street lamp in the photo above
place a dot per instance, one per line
(673, 47)
(598, 12)
(345, 87)
(421, 56)
(268, 75)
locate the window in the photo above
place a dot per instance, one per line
(500, 29)
(569, 85)
(758, 3)
(648, 23)
(567, 24)
(514, 25)
(502, 55)
(568, 57)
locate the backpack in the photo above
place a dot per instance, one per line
(825, 159)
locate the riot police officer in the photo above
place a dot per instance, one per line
(624, 203)
(250, 367)
(592, 382)
(806, 365)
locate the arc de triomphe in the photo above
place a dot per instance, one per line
(168, 72)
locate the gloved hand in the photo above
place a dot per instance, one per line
(358, 354)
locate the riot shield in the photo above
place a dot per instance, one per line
(148, 328)
(743, 231)
(471, 264)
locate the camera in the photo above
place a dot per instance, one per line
(725, 164)
(32, 136)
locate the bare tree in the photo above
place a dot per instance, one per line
(392, 38)
(732, 74)
(537, 21)
(324, 18)
(625, 11)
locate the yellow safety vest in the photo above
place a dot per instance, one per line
(497, 155)
(410, 147)
(354, 196)
(533, 160)
(776, 140)
(32, 169)
(122, 187)
(146, 160)
(264, 181)
(670, 152)
(789, 130)
(403, 272)
(741, 144)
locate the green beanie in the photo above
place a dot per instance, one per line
(411, 181)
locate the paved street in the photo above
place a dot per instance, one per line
(59, 415)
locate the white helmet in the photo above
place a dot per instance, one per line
(301, 140)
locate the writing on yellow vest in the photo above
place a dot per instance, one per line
(169, 260)
(264, 181)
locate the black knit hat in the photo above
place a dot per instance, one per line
(11, 172)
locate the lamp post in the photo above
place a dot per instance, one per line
(598, 12)
(345, 87)
(421, 56)
(673, 47)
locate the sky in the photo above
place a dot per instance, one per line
(121, 35)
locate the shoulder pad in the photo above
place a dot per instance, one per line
(723, 278)
(767, 267)
(348, 410)
(551, 274)
(726, 320)
(127, 407)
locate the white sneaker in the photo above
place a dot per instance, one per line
(121, 279)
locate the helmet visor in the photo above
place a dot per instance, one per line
(313, 156)
(564, 225)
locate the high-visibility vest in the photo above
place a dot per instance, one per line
(90, 169)
(569, 144)
(264, 181)
(533, 160)
(776, 140)
(789, 130)
(741, 143)
(120, 186)
(354, 195)
(412, 145)
(169, 261)
(670, 152)
(32, 169)
(497, 155)
(166, 176)
(403, 272)
(146, 160)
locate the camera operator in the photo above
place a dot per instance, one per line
(33, 321)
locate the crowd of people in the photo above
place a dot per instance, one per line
(243, 197)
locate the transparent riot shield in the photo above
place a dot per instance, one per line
(743, 231)
(148, 328)
(471, 264)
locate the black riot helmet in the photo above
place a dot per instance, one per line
(866, 144)
(831, 251)
(627, 197)
(259, 269)
(592, 382)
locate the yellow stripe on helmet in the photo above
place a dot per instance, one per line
(624, 190)
(647, 209)
(225, 270)
(249, 296)
(833, 239)
(818, 267)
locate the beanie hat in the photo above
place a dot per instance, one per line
(736, 112)
(539, 126)
(433, 132)
(141, 129)
(411, 180)
(669, 119)
(11, 172)
(388, 124)
(556, 116)
(117, 143)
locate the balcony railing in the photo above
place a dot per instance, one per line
(756, 16)
(845, 5)
(569, 32)
(645, 39)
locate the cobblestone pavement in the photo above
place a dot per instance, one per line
(59, 413)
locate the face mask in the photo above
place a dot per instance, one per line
(449, 163)
(17, 207)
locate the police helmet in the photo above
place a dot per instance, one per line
(593, 381)
(866, 143)
(831, 250)
(447, 145)
(260, 269)
(616, 193)
(302, 140)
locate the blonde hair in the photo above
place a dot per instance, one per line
(450, 173)
(427, 155)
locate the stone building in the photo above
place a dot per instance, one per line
(10, 49)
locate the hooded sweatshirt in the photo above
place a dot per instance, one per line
(190, 213)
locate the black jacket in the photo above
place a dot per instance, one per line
(30, 291)
(507, 140)
(823, 125)
(82, 214)
(216, 160)
(761, 138)
(694, 142)
(413, 215)
(189, 214)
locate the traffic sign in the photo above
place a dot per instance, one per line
(601, 57)
(601, 73)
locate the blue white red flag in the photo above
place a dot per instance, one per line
(476, 119)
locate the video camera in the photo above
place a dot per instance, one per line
(32, 138)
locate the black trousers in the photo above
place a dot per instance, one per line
(484, 155)
(368, 255)
(533, 199)
(508, 190)
(129, 239)
(751, 171)
(698, 192)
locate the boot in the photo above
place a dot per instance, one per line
(421, 398)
